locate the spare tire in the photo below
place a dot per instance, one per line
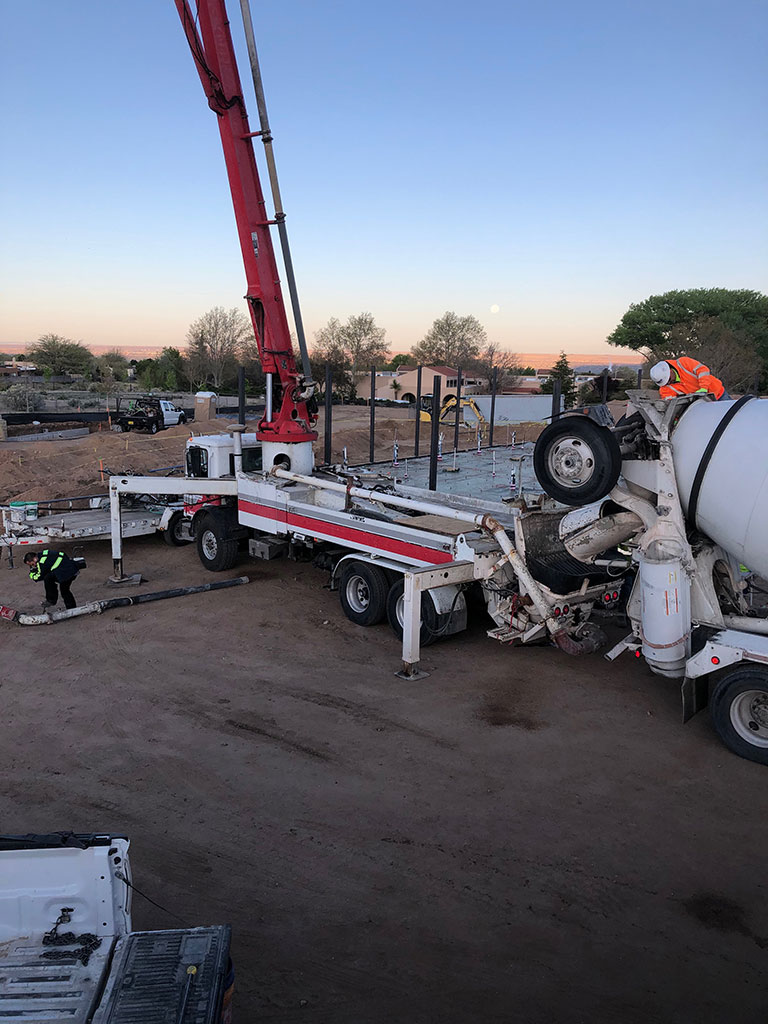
(576, 460)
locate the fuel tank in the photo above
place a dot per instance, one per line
(720, 452)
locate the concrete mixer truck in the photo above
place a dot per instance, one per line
(682, 487)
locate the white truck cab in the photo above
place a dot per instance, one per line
(172, 414)
(213, 456)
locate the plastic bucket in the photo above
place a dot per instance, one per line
(229, 992)
(18, 511)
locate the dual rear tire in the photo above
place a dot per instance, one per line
(368, 597)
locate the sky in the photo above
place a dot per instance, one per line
(537, 165)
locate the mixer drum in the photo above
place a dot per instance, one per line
(720, 451)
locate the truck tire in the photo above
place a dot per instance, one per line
(153, 428)
(395, 604)
(739, 709)
(182, 420)
(576, 460)
(363, 593)
(215, 548)
(172, 533)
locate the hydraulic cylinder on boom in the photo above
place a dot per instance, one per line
(286, 429)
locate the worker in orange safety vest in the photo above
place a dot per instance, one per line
(686, 376)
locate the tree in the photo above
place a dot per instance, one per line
(112, 366)
(214, 344)
(671, 324)
(451, 341)
(57, 356)
(396, 388)
(729, 354)
(493, 358)
(561, 371)
(348, 348)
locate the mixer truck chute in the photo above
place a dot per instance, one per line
(690, 499)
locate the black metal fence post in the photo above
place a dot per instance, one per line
(556, 393)
(372, 437)
(417, 428)
(435, 436)
(605, 386)
(458, 411)
(328, 429)
(640, 378)
(494, 378)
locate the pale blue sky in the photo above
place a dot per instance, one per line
(558, 160)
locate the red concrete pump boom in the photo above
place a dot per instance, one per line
(210, 41)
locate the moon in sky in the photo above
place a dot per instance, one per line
(494, 308)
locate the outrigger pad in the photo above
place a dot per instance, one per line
(126, 581)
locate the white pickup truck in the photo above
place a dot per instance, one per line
(67, 951)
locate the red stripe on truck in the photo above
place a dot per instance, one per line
(348, 533)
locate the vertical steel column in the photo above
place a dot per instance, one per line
(372, 433)
(640, 378)
(241, 395)
(417, 428)
(458, 411)
(556, 393)
(605, 386)
(435, 433)
(328, 428)
(494, 377)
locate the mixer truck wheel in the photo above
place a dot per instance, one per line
(363, 593)
(739, 708)
(576, 460)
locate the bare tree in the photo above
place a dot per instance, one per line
(729, 354)
(506, 364)
(348, 348)
(451, 341)
(214, 342)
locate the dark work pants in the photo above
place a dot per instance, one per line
(52, 592)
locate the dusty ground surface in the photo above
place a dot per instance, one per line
(519, 837)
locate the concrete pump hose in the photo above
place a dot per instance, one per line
(97, 607)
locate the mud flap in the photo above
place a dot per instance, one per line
(695, 694)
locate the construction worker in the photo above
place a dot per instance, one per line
(56, 570)
(686, 376)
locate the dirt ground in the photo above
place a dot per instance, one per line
(521, 836)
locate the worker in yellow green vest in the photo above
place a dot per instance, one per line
(56, 570)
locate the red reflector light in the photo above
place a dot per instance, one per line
(606, 597)
(637, 654)
(557, 611)
(715, 660)
(566, 609)
(615, 595)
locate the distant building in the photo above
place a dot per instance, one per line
(406, 383)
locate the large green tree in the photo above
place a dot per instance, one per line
(56, 356)
(717, 325)
(451, 341)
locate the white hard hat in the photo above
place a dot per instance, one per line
(660, 373)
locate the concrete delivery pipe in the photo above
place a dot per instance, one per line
(720, 451)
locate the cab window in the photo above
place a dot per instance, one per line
(197, 461)
(252, 461)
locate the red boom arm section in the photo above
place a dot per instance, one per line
(214, 57)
